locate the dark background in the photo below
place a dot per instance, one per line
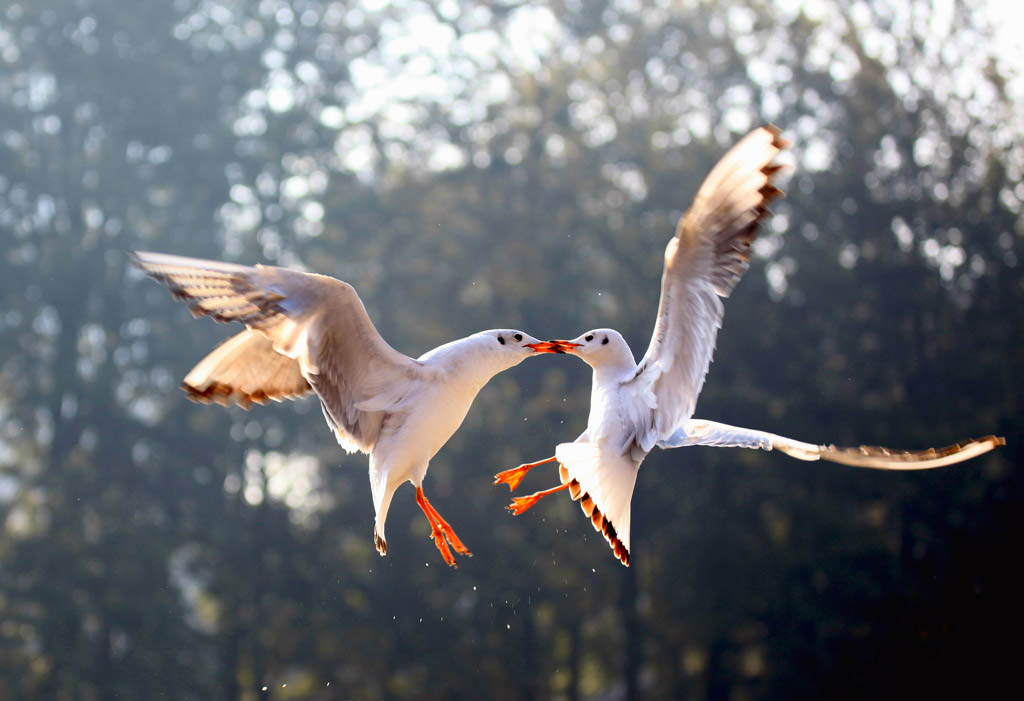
(473, 165)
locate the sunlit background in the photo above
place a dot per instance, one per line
(468, 165)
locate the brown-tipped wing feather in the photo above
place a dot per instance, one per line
(245, 370)
(888, 459)
(223, 291)
(703, 262)
(598, 520)
(602, 482)
(728, 209)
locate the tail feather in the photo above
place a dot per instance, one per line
(603, 484)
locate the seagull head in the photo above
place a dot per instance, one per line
(599, 348)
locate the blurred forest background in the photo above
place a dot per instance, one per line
(476, 164)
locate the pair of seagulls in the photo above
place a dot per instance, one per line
(310, 333)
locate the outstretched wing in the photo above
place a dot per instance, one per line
(243, 370)
(700, 432)
(315, 320)
(703, 262)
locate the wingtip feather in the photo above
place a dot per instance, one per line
(878, 457)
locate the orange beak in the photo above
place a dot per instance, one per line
(552, 346)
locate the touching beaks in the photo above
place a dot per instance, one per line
(551, 346)
(556, 346)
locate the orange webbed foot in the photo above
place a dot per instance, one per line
(521, 504)
(514, 476)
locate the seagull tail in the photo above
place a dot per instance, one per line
(602, 483)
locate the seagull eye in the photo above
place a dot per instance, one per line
(589, 338)
(519, 337)
(501, 340)
(605, 341)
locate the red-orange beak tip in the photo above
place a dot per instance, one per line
(544, 347)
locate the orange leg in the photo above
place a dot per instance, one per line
(440, 531)
(514, 476)
(521, 504)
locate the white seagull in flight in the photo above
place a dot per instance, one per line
(634, 408)
(309, 332)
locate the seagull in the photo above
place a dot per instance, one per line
(310, 333)
(637, 407)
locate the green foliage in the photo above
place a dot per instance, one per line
(475, 165)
